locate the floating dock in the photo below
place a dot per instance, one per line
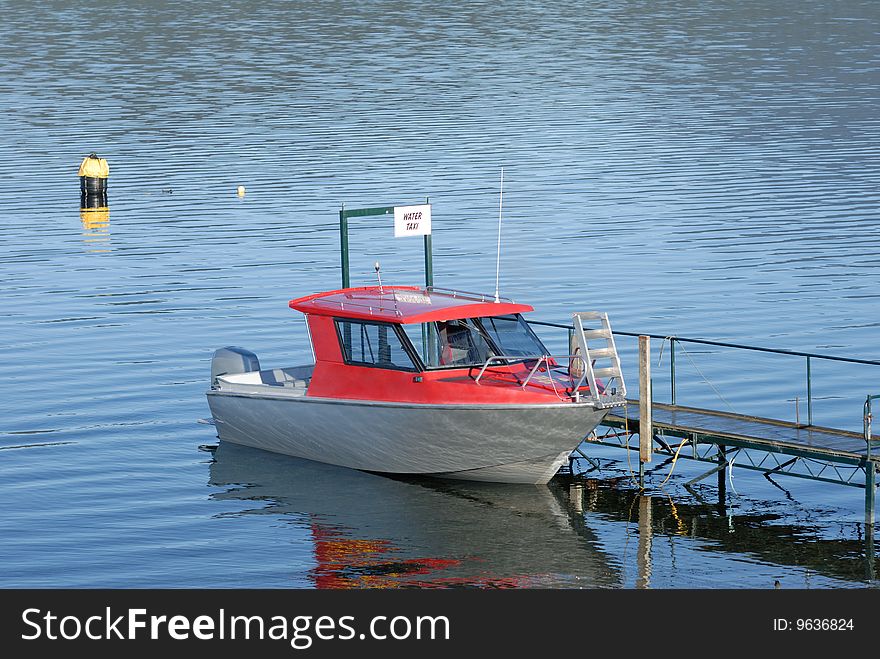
(767, 445)
(723, 439)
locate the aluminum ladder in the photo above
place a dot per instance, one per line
(605, 356)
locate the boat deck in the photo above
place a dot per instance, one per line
(745, 431)
(280, 381)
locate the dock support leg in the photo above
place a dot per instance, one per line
(586, 457)
(713, 470)
(722, 476)
(646, 430)
(576, 497)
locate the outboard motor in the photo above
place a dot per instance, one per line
(231, 360)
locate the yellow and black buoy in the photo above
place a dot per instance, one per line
(93, 174)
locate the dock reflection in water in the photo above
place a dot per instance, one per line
(662, 531)
(371, 531)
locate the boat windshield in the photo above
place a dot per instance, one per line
(512, 336)
(471, 341)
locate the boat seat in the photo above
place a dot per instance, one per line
(279, 378)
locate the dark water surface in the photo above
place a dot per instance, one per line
(704, 169)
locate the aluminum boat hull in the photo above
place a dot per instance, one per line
(497, 443)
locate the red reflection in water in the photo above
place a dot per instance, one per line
(346, 563)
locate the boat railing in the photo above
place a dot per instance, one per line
(539, 359)
(360, 305)
(469, 295)
(505, 359)
(545, 359)
(392, 306)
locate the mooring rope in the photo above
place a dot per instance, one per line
(674, 460)
(730, 472)
(660, 353)
(706, 380)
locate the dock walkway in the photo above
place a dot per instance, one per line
(769, 446)
(752, 432)
(766, 445)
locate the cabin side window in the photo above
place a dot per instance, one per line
(373, 344)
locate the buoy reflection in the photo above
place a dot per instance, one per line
(94, 213)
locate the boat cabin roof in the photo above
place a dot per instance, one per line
(405, 304)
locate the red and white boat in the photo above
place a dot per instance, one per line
(423, 381)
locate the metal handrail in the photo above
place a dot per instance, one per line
(681, 339)
(722, 344)
(870, 467)
(868, 417)
(501, 358)
(360, 305)
(540, 358)
(392, 306)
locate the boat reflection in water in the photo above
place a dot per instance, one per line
(372, 531)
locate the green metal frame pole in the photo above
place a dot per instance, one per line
(870, 491)
(429, 261)
(429, 255)
(428, 343)
(364, 212)
(868, 420)
(870, 469)
(809, 395)
(343, 246)
(672, 367)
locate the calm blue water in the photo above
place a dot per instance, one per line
(700, 169)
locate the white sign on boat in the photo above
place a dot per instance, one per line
(411, 297)
(412, 220)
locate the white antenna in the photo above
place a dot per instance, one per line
(379, 277)
(498, 258)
